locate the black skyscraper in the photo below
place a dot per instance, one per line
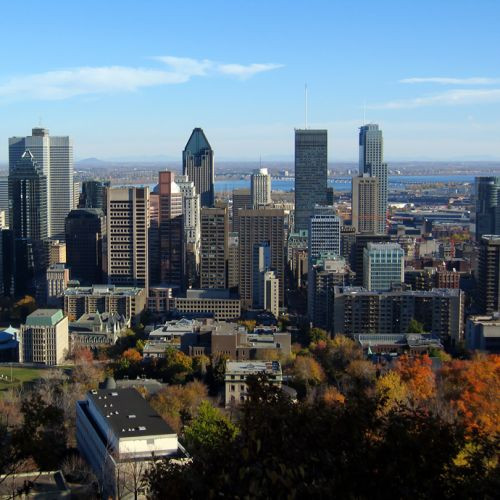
(85, 231)
(487, 206)
(198, 165)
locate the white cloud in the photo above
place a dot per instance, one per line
(66, 83)
(449, 98)
(452, 81)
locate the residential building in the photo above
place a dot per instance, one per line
(371, 162)
(85, 237)
(488, 274)
(441, 312)
(214, 247)
(383, 266)
(257, 226)
(237, 373)
(360, 244)
(271, 289)
(261, 263)
(120, 435)
(324, 232)
(127, 236)
(365, 204)
(54, 155)
(487, 197)
(260, 183)
(57, 282)
(44, 338)
(233, 260)
(198, 165)
(129, 302)
(242, 198)
(347, 242)
(482, 333)
(311, 174)
(171, 233)
(56, 252)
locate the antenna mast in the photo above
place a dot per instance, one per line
(305, 106)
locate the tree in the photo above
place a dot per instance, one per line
(23, 307)
(208, 430)
(416, 373)
(307, 371)
(132, 355)
(317, 334)
(177, 365)
(249, 324)
(391, 390)
(415, 326)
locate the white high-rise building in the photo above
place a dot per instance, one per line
(261, 188)
(4, 193)
(324, 232)
(191, 209)
(371, 162)
(55, 156)
(271, 293)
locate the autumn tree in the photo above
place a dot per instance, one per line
(317, 334)
(415, 326)
(416, 372)
(391, 390)
(177, 365)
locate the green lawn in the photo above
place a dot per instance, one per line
(19, 375)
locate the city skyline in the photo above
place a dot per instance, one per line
(137, 94)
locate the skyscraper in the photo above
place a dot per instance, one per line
(93, 194)
(261, 188)
(261, 262)
(85, 233)
(242, 198)
(127, 236)
(171, 228)
(198, 165)
(311, 174)
(257, 226)
(214, 247)
(489, 274)
(365, 206)
(383, 266)
(55, 157)
(324, 232)
(487, 193)
(371, 162)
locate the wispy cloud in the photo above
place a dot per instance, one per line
(71, 82)
(454, 97)
(452, 81)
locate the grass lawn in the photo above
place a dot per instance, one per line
(19, 375)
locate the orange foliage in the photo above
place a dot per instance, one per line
(333, 396)
(416, 373)
(132, 355)
(83, 355)
(473, 388)
(308, 370)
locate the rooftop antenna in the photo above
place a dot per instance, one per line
(305, 106)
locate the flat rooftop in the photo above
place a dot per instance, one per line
(128, 414)
(252, 367)
(103, 290)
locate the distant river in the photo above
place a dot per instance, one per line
(343, 183)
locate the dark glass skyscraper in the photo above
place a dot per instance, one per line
(487, 206)
(198, 165)
(93, 194)
(85, 230)
(371, 162)
(311, 174)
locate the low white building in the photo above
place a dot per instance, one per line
(237, 373)
(119, 433)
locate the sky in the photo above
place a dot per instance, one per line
(131, 79)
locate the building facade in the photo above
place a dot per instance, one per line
(214, 247)
(311, 174)
(383, 266)
(57, 282)
(324, 232)
(487, 195)
(365, 204)
(260, 183)
(488, 279)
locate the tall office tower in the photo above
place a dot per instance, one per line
(28, 198)
(261, 263)
(171, 229)
(154, 237)
(487, 206)
(93, 194)
(85, 235)
(383, 266)
(257, 226)
(271, 293)
(371, 162)
(76, 194)
(324, 232)
(192, 228)
(55, 157)
(360, 244)
(489, 274)
(261, 188)
(330, 196)
(198, 165)
(233, 260)
(4, 195)
(365, 210)
(347, 242)
(242, 198)
(214, 247)
(311, 174)
(127, 236)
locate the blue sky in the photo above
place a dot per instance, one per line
(132, 78)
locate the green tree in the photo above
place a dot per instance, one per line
(415, 326)
(317, 334)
